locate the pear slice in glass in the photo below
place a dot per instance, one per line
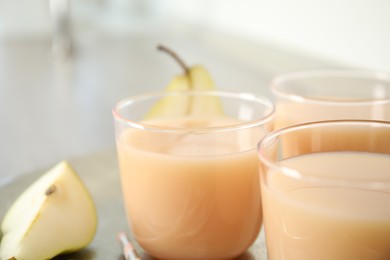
(172, 105)
(196, 79)
(203, 105)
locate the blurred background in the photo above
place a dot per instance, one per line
(65, 63)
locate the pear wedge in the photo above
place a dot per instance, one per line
(55, 215)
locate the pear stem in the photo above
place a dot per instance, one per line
(176, 57)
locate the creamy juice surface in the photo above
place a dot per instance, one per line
(335, 138)
(191, 192)
(305, 221)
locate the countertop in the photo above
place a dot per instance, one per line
(52, 110)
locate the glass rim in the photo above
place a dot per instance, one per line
(318, 73)
(271, 137)
(238, 95)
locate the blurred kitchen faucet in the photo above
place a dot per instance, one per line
(61, 40)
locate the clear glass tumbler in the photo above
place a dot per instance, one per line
(331, 200)
(190, 182)
(318, 95)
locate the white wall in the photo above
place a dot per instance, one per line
(352, 31)
(355, 32)
(24, 17)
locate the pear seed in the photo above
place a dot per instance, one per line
(50, 190)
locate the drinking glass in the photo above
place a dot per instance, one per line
(190, 182)
(318, 95)
(332, 200)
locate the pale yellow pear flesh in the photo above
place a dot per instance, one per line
(203, 105)
(197, 79)
(171, 105)
(56, 214)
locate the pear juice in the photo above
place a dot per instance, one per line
(193, 194)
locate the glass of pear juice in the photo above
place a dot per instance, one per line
(318, 95)
(333, 94)
(327, 202)
(190, 176)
